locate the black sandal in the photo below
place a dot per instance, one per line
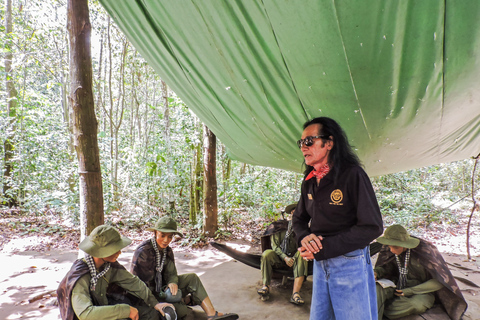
(297, 299)
(264, 291)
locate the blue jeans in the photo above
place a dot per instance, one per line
(344, 288)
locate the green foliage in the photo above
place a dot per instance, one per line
(260, 191)
(153, 169)
(425, 195)
(27, 228)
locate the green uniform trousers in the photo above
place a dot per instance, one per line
(394, 307)
(271, 260)
(147, 313)
(189, 283)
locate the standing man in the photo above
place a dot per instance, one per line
(336, 218)
(283, 254)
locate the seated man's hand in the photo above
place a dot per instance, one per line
(289, 261)
(159, 307)
(133, 313)
(398, 293)
(173, 288)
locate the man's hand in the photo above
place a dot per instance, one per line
(398, 293)
(289, 261)
(173, 288)
(305, 254)
(133, 313)
(312, 243)
(159, 307)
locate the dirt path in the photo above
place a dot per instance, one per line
(230, 284)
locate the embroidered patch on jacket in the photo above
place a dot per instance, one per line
(310, 197)
(337, 197)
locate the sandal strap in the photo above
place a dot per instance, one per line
(264, 290)
(297, 298)
(224, 316)
(213, 317)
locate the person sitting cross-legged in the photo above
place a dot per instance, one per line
(418, 273)
(86, 292)
(284, 254)
(154, 263)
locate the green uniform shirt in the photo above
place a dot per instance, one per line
(83, 305)
(170, 272)
(276, 240)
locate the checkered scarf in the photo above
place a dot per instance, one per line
(160, 261)
(93, 271)
(402, 281)
(284, 244)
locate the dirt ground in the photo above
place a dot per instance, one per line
(31, 275)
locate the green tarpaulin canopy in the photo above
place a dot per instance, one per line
(401, 77)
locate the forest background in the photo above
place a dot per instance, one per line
(151, 144)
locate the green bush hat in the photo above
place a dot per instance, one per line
(290, 208)
(166, 225)
(396, 235)
(104, 241)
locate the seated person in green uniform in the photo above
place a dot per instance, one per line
(84, 293)
(153, 262)
(419, 273)
(283, 254)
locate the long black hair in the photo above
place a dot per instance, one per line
(342, 155)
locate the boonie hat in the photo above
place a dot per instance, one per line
(166, 225)
(290, 208)
(396, 235)
(104, 241)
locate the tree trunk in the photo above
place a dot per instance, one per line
(166, 113)
(66, 114)
(115, 113)
(243, 170)
(192, 215)
(110, 113)
(11, 108)
(196, 184)
(210, 207)
(118, 121)
(132, 100)
(198, 179)
(83, 117)
(474, 207)
(226, 171)
(166, 136)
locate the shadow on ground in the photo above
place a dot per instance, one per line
(231, 285)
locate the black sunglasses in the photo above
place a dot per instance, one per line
(308, 141)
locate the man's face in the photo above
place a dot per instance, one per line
(163, 239)
(290, 216)
(317, 154)
(113, 257)
(396, 250)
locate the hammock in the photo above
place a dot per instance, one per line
(253, 260)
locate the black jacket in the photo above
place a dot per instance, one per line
(345, 213)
